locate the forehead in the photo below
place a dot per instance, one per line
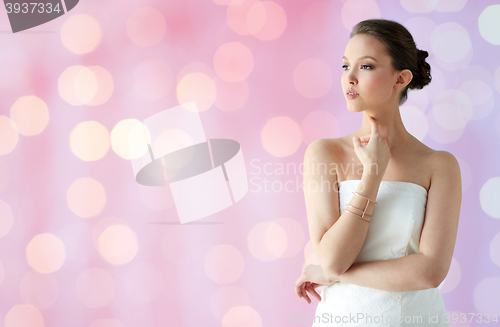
(365, 45)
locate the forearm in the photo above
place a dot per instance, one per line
(341, 244)
(408, 273)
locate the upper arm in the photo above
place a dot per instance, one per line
(320, 189)
(442, 212)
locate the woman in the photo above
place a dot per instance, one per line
(385, 238)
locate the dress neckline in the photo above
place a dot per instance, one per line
(410, 183)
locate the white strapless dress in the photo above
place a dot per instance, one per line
(394, 232)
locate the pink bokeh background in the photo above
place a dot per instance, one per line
(83, 244)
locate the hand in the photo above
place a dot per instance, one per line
(372, 149)
(311, 278)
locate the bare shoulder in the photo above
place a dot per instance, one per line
(323, 149)
(444, 165)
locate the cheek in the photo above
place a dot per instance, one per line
(380, 83)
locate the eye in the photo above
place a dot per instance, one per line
(344, 67)
(366, 66)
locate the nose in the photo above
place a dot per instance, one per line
(352, 78)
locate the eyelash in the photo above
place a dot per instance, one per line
(369, 67)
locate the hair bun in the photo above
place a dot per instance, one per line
(423, 71)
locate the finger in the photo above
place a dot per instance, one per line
(356, 142)
(313, 292)
(365, 138)
(297, 291)
(304, 293)
(374, 124)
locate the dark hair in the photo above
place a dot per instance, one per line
(402, 49)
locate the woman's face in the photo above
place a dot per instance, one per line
(368, 72)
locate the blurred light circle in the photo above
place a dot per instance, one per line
(317, 22)
(8, 135)
(267, 241)
(197, 87)
(226, 297)
(480, 95)
(419, 6)
(450, 42)
(489, 195)
(23, 315)
(143, 282)
(312, 78)
(30, 115)
(85, 85)
(436, 87)
(104, 86)
(294, 235)
(106, 323)
(419, 98)
(421, 29)
(101, 225)
(95, 287)
(146, 27)
(89, 140)
(224, 264)
(355, 11)
(45, 253)
(66, 85)
(86, 197)
(81, 34)
(256, 17)
(6, 218)
(118, 244)
(450, 5)
(495, 249)
(266, 20)
(241, 316)
(486, 295)
(230, 96)
(440, 134)
(237, 15)
(452, 110)
(319, 124)
(195, 67)
(39, 290)
(233, 62)
(281, 136)
(414, 121)
(275, 239)
(153, 79)
(489, 24)
(121, 136)
(452, 279)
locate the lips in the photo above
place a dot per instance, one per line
(350, 94)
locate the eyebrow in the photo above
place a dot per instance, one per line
(370, 57)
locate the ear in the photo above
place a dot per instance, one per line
(404, 78)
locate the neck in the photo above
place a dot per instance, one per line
(390, 126)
